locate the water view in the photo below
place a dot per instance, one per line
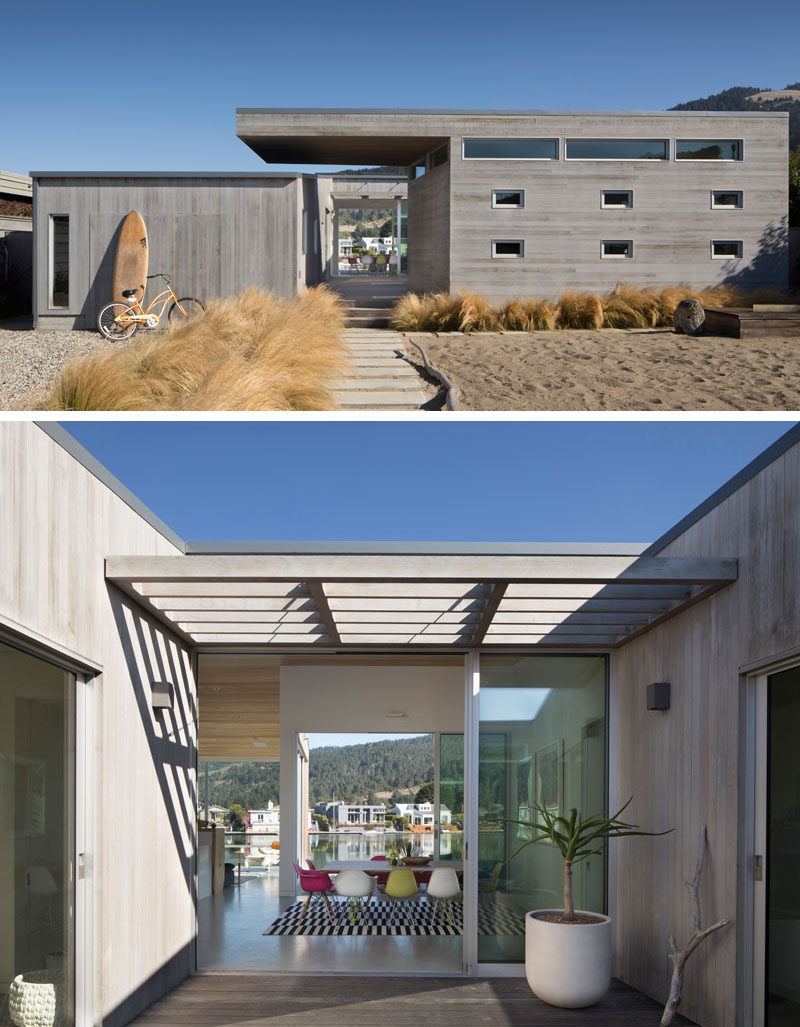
(328, 846)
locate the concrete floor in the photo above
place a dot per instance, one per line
(230, 937)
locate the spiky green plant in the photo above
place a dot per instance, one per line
(577, 839)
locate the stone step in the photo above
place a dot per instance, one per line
(401, 384)
(394, 399)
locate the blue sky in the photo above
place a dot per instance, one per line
(527, 481)
(99, 86)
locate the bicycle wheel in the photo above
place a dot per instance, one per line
(109, 322)
(191, 308)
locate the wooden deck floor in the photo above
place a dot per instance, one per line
(222, 1000)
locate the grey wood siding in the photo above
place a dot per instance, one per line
(59, 524)
(671, 223)
(214, 236)
(429, 231)
(684, 767)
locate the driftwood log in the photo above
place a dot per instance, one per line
(680, 957)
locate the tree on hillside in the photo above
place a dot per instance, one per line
(238, 816)
(425, 794)
(794, 188)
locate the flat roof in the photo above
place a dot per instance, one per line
(375, 135)
(171, 174)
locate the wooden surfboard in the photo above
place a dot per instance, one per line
(130, 262)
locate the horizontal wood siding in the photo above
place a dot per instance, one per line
(429, 231)
(671, 224)
(59, 524)
(215, 237)
(682, 766)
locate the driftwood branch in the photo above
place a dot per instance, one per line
(680, 957)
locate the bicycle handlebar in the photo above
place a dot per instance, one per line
(166, 278)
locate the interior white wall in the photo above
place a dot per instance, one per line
(342, 699)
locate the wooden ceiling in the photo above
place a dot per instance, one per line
(239, 697)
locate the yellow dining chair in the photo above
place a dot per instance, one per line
(400, 887)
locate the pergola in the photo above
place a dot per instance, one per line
(350, 596)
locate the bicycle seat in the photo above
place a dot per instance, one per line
(129, 292)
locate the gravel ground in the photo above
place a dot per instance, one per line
(30, 361)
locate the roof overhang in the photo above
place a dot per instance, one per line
(295, 599)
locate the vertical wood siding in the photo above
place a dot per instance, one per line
(59, 524)
(214, 236)
(684, 766)
(429, 205)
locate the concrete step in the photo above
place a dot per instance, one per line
(385, 400)
(400, 384)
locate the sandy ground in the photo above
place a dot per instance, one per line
(30, 362)
(617, 370)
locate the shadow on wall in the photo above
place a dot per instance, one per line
(99, 292)
(794, 259)
(153, 654)
(769, 266)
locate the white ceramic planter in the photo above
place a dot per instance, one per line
(568, 965)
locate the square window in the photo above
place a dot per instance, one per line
(726, 249)
(508, 248)
(509, 198)
(727, 199)
(616, 199)
(616, 249)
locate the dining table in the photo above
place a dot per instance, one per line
(379, 866)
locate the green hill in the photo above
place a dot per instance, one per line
(737, 98)
(349, 772)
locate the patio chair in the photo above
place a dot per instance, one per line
(401, 886)
(354, 886)
(314, 882)
(443, 888)
(380, 879)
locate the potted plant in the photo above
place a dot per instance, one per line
(568, 951)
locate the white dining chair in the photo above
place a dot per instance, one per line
(443, 888)
(356, 887)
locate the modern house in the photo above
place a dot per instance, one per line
(343, 814)
(268, 819)
(123, 646)
(422, 815)
(216, 815)
(506, 203)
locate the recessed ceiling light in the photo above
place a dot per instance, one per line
(260, 745)
(396, 713)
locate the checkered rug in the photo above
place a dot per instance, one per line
(410, 918)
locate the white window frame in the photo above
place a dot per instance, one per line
(616, 256)
(727, 256)
(703, 160)
(51, 260)
(725, 206)
(616, 206)
(508, 206)
(508, 256)
(617, 160)
(526, 160)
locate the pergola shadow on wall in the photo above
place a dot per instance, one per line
(350, 597)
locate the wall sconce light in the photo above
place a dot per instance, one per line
(161, 695)
(658, 695)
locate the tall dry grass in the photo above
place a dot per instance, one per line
(624, 307)
(251, 352)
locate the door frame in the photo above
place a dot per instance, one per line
(83, 852)
(754, 891)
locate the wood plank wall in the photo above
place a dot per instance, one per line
(671, 223)
(239, 703)
(429, 231)
(59, 524)
(214, 236)
(684, 766)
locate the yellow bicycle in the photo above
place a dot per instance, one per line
(120, 320)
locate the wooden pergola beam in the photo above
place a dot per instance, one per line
(324, 611)
(497, 593)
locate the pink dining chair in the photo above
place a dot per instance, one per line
(310, 864)
(314, 882)
(381, 878)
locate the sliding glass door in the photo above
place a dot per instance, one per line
(541, 741)
(782, 935)
(37, 831)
